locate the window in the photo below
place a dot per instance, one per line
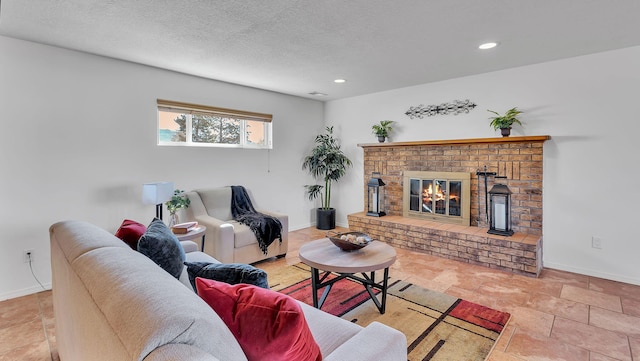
(199, 125)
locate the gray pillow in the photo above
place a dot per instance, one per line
(162, 247)
(231, 273)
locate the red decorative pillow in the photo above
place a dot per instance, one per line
(268, 325)
(130, 232)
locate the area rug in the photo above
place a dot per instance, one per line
(437, 326)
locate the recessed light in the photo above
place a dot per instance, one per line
(340, 81)
(487, 46)
(318, 94)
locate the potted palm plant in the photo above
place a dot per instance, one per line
(504, 122)
(382, 130)
(328, 163)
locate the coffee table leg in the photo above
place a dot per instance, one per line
(315, 277)
(368, 281)
(384, 289)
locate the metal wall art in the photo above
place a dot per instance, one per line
(456, 107)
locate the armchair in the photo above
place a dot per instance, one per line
(225, 239)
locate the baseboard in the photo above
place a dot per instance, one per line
(24, 292)
(313, 224)
(303, 226)
(592, 273)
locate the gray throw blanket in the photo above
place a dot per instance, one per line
(266, 228)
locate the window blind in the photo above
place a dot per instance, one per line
(170, 105)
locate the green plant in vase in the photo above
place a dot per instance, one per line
(177, 201)
(505, 121)
(382, 130)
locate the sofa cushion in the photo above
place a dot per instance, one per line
(194, 257)
(243, 235)
(161, 246)
(130, 232)
(217, 202)
(329, 332)
(231, 273)
(268, 325)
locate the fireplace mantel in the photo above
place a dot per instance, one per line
(533, 138)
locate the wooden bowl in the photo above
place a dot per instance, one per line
(349, 241)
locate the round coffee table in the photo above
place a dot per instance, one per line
(323, 255)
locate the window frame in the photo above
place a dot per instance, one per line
(188, 109)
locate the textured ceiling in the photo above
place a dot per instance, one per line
(298, 47)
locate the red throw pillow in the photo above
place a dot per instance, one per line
(130, 232)
(268, 325)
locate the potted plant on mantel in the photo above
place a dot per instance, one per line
(328, 163)
(504, 122)
(382, 130)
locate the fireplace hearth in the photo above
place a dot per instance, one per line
(518, 161)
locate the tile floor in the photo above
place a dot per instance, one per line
(559, 316)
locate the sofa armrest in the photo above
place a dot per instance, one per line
(219, 238)
(189, 246)
(374, 342)
(284, 220)
(274, 214)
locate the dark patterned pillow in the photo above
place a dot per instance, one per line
(161, 246)
(231, 273)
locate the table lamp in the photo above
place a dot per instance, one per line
(157, 193)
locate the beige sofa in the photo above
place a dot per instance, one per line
(225, 239)
(113, 303)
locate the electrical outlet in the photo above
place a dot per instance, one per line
(27, 255)
(596, 242)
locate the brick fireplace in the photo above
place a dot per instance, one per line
(517, 159)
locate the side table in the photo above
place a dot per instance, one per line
(199, 231)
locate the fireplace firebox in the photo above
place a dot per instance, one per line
(437, 196)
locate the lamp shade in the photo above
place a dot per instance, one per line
(156, 193)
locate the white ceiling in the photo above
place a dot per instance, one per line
(298, 47)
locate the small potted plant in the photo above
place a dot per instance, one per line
(504, 122)
(382, 130)
(177, 201)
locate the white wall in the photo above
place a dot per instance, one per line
(79, 140)
(586, 104)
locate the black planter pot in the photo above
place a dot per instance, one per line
(325, 218)
(381, 139)
(505, 131)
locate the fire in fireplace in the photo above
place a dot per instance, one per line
(437, 196)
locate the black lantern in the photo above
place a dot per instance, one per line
(500, 210)
(375, 196)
